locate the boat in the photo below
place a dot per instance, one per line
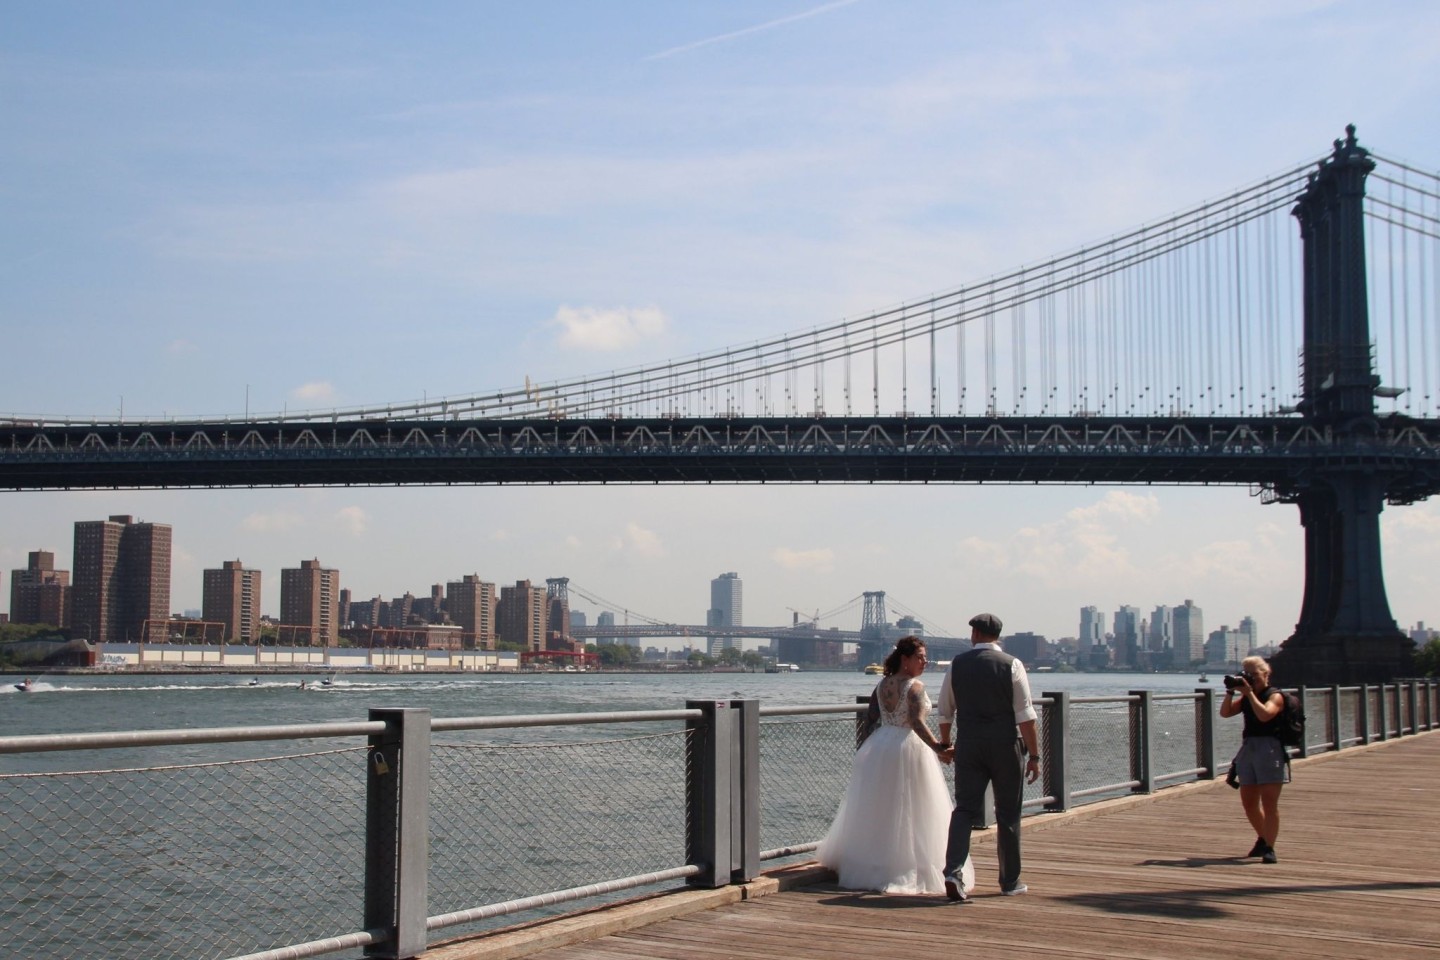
(874, 670)
(254, 681)
(328, 681)
(1204, 678)
(25, 687)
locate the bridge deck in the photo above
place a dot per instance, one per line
(1359, 877)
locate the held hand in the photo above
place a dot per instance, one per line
(946, 755)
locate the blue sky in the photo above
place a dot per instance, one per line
(309, 205)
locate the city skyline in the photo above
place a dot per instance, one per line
(394, 203)
(725, 599)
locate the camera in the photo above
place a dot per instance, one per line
(1232, 681)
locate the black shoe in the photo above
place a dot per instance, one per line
(1269, 856)
(955, 892)
(1259, 849)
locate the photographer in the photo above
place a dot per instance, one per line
(1262, 764)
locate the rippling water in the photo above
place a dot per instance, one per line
(90, 703)
(236, 855)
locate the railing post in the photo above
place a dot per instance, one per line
(1205, 732)
(1055, 755)
(1142, 752)
(1362, 714)
(1303, 750)
(1332, 719)
(861, 718)
(707, 792)
(1412, 708)
(397, 831)
(1381, 714)
(745, 793)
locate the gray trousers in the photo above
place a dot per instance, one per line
(999, 764)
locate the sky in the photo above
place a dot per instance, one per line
(208, 208)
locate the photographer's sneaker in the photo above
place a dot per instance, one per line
(1016, 890)
(955, 891)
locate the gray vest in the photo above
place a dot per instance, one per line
(984, 696)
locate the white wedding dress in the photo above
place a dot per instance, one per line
(890, 832)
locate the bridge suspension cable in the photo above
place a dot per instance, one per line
(1198, 314)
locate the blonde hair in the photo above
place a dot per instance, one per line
(1254, 665)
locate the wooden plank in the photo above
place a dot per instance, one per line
(1152, 879)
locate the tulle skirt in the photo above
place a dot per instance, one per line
(890, 831)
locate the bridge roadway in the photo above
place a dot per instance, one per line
(1274, 451)
(1139, 878)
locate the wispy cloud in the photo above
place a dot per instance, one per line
(592, 328)
(639, 541)
(272, 521)
(747, 31)
(353, 520)
(821, 560)
(320, 391)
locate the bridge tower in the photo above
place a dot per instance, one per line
(557, 609)
(1346, 633)
(873, 622)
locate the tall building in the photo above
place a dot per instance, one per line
(520, 616)
(40, 593)
(121, 590)
(1249, 636)
(232, 596)
(726, 605)
(1127, 636)
(1160, 639)
(310, 603)
(1189, 625)
(471, 603)
(726, 601)
(1091, 639)
(367, 613)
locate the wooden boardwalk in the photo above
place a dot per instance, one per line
(1159, 877)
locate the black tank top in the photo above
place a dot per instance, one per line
(1254, 726)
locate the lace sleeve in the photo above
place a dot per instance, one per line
(917, 708)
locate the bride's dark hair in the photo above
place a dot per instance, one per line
(904, 647)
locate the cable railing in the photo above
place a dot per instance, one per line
(377, 834)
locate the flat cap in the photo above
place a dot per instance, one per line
(986, 623)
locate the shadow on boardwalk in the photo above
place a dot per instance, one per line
(1146, 877)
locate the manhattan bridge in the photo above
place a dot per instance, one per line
(1283, 338)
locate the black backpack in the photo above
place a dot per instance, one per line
(1292, 720)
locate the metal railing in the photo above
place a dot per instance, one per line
(371, 836)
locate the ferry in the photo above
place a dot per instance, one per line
(874, 670)
(782, 668)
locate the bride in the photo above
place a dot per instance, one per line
(890, 831)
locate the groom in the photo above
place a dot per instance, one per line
(987, 694)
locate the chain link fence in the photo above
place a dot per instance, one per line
(205, 860)
(250, 853)
(511, 820)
